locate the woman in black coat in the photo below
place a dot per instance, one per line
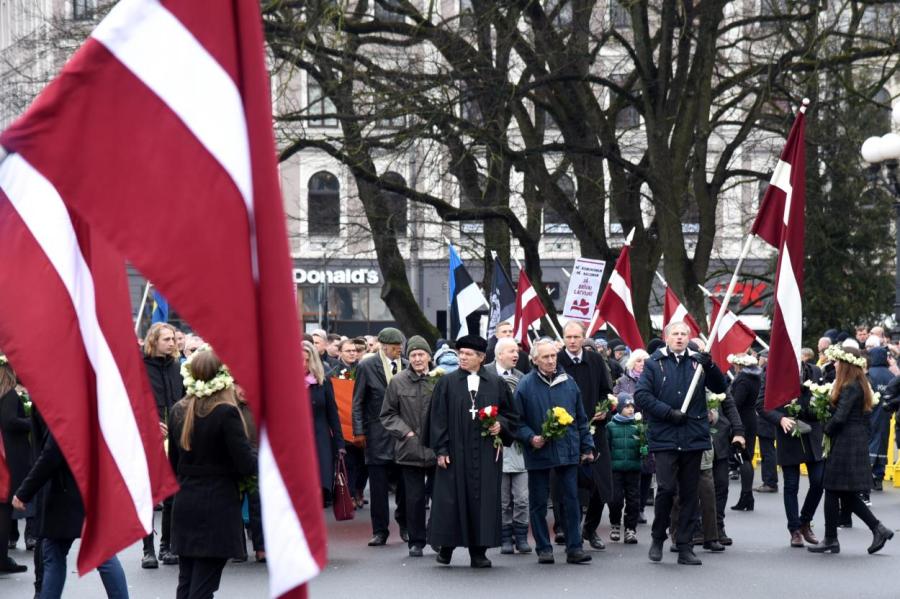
(847, 468)
(744, 391)
(14, 430)
(327, 425)
(210, 452)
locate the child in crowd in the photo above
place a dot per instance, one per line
(627, 447)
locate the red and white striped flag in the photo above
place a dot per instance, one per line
(615, 306)
(733, 337)
(159, 129)
(674, 311)
(529, 310)
(780, 223)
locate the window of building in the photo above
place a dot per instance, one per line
(563, 16)
(554, 224)
(466, 15)
(324, 204)
(82, 9)
(878, 19)
(472, 226)
(628, 116)
(386, 10)
(690, 218)
(319, 105)
(469, 110)
(619, 17)
(397, 206)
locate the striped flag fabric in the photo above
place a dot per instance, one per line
(733, 336)
(674, 311)
(503, 299)
(529, 309)
(158, 129)
(615, 305)
(780, 223)
(465, 297)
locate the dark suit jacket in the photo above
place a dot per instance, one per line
(368, 397)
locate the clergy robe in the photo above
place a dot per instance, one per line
(465, 504)
(593, 378)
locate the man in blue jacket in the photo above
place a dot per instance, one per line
(880, 376)
(677, 439)
(542, 389)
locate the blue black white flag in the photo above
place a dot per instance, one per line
(465, 297)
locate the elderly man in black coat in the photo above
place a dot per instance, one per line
(676, 438)
(372, 377)
(465, 510)
(591, 372)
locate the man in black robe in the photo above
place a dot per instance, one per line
(591, 373)
(465, 509)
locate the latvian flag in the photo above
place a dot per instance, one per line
(159, 129)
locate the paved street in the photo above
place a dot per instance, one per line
(760, 564)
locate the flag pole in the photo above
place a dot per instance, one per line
(550, 320)
(758, 339)
(715, 328)
(140, 313)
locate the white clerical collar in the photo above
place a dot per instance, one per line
(473, 380)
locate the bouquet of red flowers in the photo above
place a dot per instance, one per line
(488, 417)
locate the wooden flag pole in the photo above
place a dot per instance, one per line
(140, 314)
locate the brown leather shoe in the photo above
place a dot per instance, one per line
(797, 539)
(806, 531)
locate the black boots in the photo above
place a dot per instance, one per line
(506, 540)
(656, 546)
(149, 560)
(520, 532)
(744, 504)
(828, 545)
(686, 556)
(880, 536)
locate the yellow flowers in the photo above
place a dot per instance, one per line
(554, 426)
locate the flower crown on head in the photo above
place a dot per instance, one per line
(3, 359)
(223, 379)
(835, 353)
(742, 360)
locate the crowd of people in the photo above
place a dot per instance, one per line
(479, 442)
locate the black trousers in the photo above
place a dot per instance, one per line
(414, 487)
(357, 471)
(627, 493)
(5, 525)
(379, 498)
(256, 530)
(199, 577)
(720, 480)
(646, 481)
(676, 471)
(850, 501)
(165, 526)
(768, 462)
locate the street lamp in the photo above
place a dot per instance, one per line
(884, 152)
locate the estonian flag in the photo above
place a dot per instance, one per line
(160, 308)
(503, 298)
(465, 297)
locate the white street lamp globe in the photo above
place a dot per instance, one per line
(871, 150)
(890, 146)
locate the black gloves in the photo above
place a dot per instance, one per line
(703, 359)
(677, 416)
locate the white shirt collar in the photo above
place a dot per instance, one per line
(579, 355)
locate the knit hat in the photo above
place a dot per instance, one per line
(417, 342)
(390, 336)
(625, 399)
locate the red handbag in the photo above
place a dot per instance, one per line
(343, 500)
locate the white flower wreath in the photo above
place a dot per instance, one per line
(834, 352)
(3, 360)
(223, 379)
(742, 360)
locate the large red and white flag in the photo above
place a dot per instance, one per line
(529, 310)
(780, 223)
(733, 337)
(674, 311)
(159, 129)
(615, 306)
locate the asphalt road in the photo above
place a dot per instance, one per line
(759, 564)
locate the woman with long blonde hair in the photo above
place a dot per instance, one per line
(210, 452)
(326, 423)
(847, 468)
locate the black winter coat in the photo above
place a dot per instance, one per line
(166, 382)
(745, 390)
(729, 425)
(368, 397)
(14, 429)
(662, 388)
(791, 450)
(206, 513)
(328, 430)
(60, 514)
(847, 466)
